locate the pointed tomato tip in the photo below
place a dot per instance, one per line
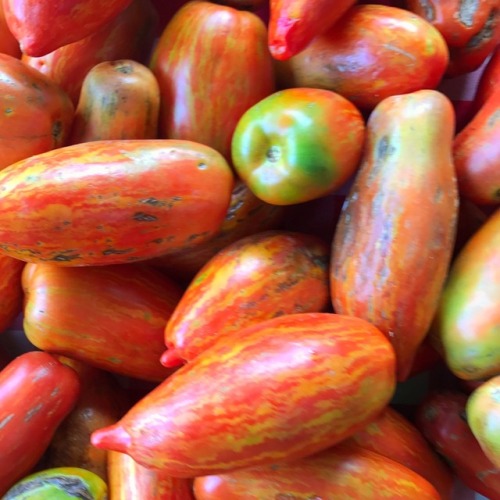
(114, 438)
(171, 358)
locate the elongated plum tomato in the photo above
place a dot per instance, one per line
(298, 145)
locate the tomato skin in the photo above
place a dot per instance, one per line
(43, 26)
(72, 191)
(31, 412)
(281, 398)
(246, 215)
(293, 24)
(190, 76)
(130, 35)
(441, 419)
(470, 57)
(488, 82)
(8, 43)
(394, 239)
(37, 114)
(11, 293)
(125, 309)
(344, 471)
(466, 324)
(360, 57)
(476, 153)
(118, 100)
(456, 20)
(259, 277)
(483, 416)
(102, 401)
(282, 147)
(129, 480)
(395, 437)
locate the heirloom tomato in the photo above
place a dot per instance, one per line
(345, 471)
(483, 416)
(130, 35)
(394, 239)
(118, 100)
(42, 26)
(102, 401)
(441, 418)
(467, 323)
(129, 480)
(456, 20)
(373, 52)
(282, 389)
(476, 152)
(60, 483)
(36, 112)
(212, 64)
(294, 23)
(111, 317)
(297, 145)
(395, 437)
(259, 277)
(36, 393)
(112, 202)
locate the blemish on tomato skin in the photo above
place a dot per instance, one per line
(6, 420)
(32, 412)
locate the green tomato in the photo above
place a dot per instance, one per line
(297, 145)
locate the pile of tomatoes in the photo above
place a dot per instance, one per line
(233, 232)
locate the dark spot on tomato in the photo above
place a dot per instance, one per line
(486, 33)
(153, 202)
(57, 130)
(65, 257)
(144, 217)
(122, 67)
(115, 251)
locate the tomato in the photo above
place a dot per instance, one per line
(102, 401)
(8, 43)
(125, 309)
(483, 416)
(361, 57)
(441, 419)
(395, 437)
(297, 145)
(476, 153)
(282, 389)
(36, 393)
(112, 202)
(129, 480)
(467, 321)
(130, 35)
(259, 277)
(36, 113)
(344, 471)
(293, 24)
(118, 100)
(203, 95)
(394, 239)
(60, 483)
(42, 26)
